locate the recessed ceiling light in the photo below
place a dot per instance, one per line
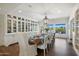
(19, 11)
(58, 11)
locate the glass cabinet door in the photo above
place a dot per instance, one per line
(77, 35)
(77, 38)
(77, 29)
(9, 28)
(14, 26)
(28, 26)
(22, 26)
(35, 27)
(19, 18)
(31, 25)
(19, 26)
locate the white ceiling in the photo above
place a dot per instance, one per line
(38, 10)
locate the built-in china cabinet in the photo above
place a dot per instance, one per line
(10, 25)
(18, 29)
(19, 24)
(75, 31)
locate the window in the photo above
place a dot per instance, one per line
(51, 26)
(60, 28)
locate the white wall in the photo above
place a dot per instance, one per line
(1, 30)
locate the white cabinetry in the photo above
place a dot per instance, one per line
(75, 31)
(18, 29)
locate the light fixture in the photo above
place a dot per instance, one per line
(59, 11)
(45, 19)
(19, 11)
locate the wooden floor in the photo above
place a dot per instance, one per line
(61, 48)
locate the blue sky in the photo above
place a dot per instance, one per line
(56, 25)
